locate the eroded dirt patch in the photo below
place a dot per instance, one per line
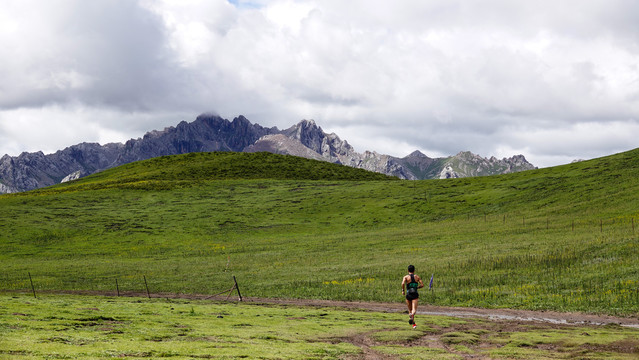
(478, 339)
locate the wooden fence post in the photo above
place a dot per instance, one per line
(32, 287)
(148, 294)
(117, 287)
(237, 287)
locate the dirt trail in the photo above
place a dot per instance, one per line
(364, 342)
(552, 317)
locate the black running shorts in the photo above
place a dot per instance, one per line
(412, 296)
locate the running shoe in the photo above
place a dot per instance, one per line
(411, 319)
(414, 326)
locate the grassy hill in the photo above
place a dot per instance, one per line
(560, 238)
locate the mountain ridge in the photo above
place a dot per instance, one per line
(208, 133)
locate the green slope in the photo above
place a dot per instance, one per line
(195, 167)
(558, 238)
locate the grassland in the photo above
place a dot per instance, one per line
(84, 327)
(560, 238)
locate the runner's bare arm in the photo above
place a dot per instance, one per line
(403, 284)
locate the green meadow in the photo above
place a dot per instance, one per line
(86, 327)
(560, 238)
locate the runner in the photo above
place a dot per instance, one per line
(412, 282)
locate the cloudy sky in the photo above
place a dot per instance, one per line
(552, 80)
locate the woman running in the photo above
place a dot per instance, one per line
(412, 282)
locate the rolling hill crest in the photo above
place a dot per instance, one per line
(209, 133)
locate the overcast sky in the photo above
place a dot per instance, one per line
(552, 80)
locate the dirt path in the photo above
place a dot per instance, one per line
(551, 317)
(364, 342)
(493, 314)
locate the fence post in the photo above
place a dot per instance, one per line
(117, 287)
(32, 287)
(147, 287)
(237, 287)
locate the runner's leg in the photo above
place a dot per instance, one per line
(414, 307)
(409, 303)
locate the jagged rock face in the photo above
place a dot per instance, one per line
(468, 164)
(448, 173)
(416, 158)
(5, 189)
(27, 171)
(206, 133)
(329, 146)
(34, 170)
(282, 144)
(384, 164)
(73, 176)
(419, 166)
(212, 133)
(86, 158)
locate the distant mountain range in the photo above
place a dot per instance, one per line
(30, 171)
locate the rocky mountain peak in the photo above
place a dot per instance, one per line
(308, 133)
(329, 146)
(416, 154)
(517, 160)
(282, 144)
(210, 132)
(241, 120)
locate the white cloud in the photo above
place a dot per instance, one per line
(55, 127)
(489, 76)
(193, 26)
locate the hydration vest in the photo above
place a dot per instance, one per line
(412, 285)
